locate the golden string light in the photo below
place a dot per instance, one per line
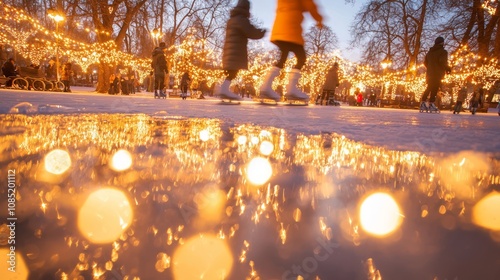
(35, 42)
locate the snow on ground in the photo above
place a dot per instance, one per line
(395, 129)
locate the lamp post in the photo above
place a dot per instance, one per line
(57, 17)
(155, 34)
(385, 64)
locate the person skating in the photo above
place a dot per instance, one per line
(159, 65)
(287, 36)
(436, 62)
(359, 98)
(235, 52)
(474, 102)
(462, 95)
(185, 80)
(66, 74)
(331, 83)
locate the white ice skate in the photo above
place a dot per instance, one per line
(424, 107)
(295, 96)
(266, 91)
(226, 95)
(433, 108)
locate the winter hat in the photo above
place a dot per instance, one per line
(244, 4)
(439, 40)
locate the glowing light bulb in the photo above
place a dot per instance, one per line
(105, 215)
(379, 214)
(121, 160)
(57, 161)
(259, 171)
(202, 257)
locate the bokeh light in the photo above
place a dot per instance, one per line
(202, 257)
(259, 171)
(266, 148)
(457, 170)
(379, 214)
(121, 160)
(12, 266)
(242, 140)
(486, 213)
(57, 161)
(210, 204)
(105, 215)
(204, 135)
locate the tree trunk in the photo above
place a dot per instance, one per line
(413, 55)
(103, 77)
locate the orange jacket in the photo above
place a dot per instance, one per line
(288, 22)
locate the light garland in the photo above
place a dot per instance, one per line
(33, 41)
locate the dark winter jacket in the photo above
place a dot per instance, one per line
(9, 69)
(238, 31)
(159, 63)
(436, 62)
(332, 78)
(462, 95)
(185, 79)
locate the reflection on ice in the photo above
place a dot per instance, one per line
(121, 160)
(203, 257)
(379, 214)
(104, 216)
(57, 161)
(203, 198)
(486, 212)
(259, 171)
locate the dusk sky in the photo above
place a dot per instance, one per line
(338, 16)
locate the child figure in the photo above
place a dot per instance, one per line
(66, 76)
(287, 35)
(331, 82)
(185, 80)
(235, 53)
(462, 95)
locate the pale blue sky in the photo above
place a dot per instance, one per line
(338, 15)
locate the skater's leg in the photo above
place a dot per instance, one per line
(292, 91)
(458, 107)
(324, 96)
(319, 99)
(433, 88)
(160, 84)
(425, 95)
(284, 51)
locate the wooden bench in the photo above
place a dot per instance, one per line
(36, 79)
(3, 81)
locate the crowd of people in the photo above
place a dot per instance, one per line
(123, 84)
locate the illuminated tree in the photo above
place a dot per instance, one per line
(474, 23)
(393, 29)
